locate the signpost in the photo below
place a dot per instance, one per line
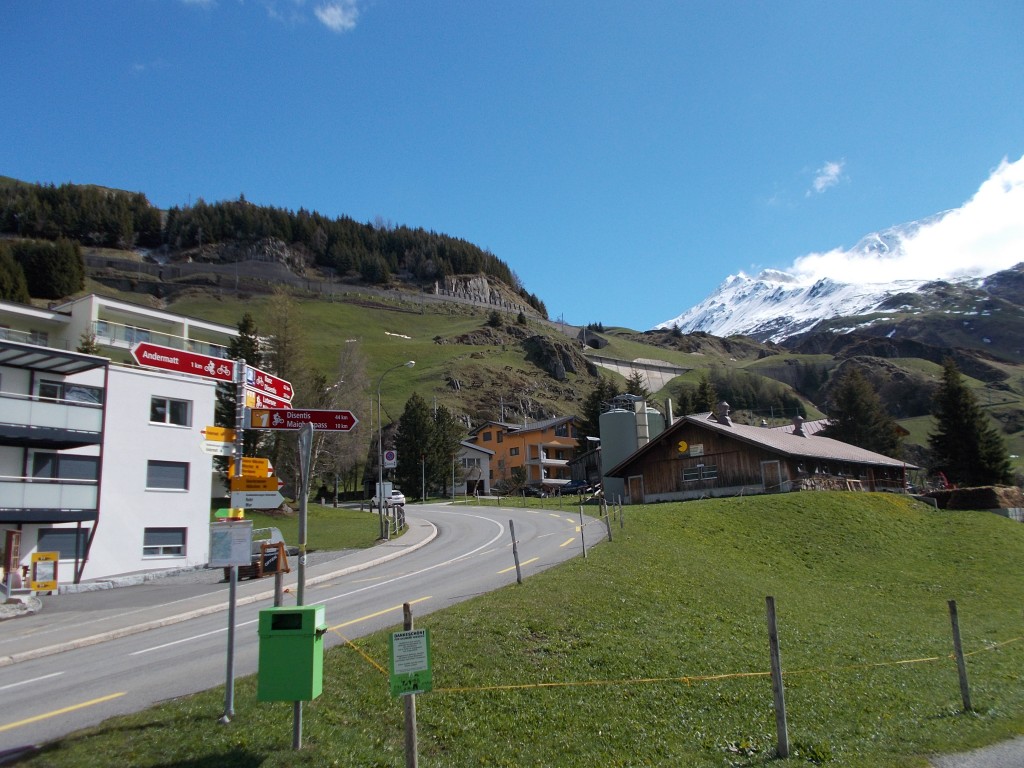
(254, 399)
(269, 384)
(254, 466)
(215, 448)
(170, 359)
(215, 434)
(293, 418)
(256, 499)
(254, 483)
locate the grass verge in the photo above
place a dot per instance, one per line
(653, 652)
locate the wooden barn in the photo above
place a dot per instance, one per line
(708, 454)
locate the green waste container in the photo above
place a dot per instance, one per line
(291, 653)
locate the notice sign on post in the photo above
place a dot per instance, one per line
(44, 572)
(230, 543)
(410, 662)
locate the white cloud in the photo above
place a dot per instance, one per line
(338, 16)
(830, 174)
(984, 235)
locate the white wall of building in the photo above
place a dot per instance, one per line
(131, 442)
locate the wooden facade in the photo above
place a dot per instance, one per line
(706, 455)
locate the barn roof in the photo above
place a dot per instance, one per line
(781, 441)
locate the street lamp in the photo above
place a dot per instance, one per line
(380, 442)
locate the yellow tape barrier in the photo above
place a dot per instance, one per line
(688, 679)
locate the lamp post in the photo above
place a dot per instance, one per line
(380, 441)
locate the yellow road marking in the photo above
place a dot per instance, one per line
(525, 562)
(58, 712)
(553, 514)
(378, 613)
(567, 542)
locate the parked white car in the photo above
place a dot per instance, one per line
(396, 499)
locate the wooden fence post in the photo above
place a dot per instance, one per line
(961, 667)
(778, 692)
(515, 552)
(583, 540)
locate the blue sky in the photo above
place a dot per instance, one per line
(622, 158)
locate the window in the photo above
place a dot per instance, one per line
(163, 542)
(68, 542)
(167, 475)
(513, 451)
(700, 472)
(487, 437)
(469, 463)
(164, 410)
(562, 430)
(133, 334)
(501, 437)
(62, 466)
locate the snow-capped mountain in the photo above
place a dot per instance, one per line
(775, 305)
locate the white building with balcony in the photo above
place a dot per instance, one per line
(99, 461)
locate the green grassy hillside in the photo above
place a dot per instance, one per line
(654, 652)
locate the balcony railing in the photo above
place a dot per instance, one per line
(27, 411)
(36, 493)
(120, 335)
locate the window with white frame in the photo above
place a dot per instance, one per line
(167, 475)
(469, 463)
(165, 410)
(163, 542)
(513, 451)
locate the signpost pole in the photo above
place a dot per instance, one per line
(305, 454)
(229, 683)
(409, 705)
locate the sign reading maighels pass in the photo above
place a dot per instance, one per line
(293, 418)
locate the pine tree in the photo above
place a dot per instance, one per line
(13, 286)
(444, 447)
(588, 423)
(636, 384)
(245, 346)
(856, 416)
(413, 443)
(965, 446)
(706, 398)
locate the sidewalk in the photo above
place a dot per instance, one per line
(106, 609)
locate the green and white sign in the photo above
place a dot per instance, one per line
(410, 662)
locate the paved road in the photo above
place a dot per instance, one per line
(89, 656)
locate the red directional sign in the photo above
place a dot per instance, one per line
(254, 399)
(295, 418)
(170, 359)
(269, 384)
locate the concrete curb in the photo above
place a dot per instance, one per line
(70, 645)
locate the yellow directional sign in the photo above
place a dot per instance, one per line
(218, 434)
(254, 483)
(254, 466)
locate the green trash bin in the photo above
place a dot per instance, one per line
(291, 653)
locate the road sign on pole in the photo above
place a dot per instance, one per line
(254, 466)
(255, 399)
(217, 448)
(170, 359)
(292, 418)
(251, 483)
(256, 499)
(216, 434)
(269, 384)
